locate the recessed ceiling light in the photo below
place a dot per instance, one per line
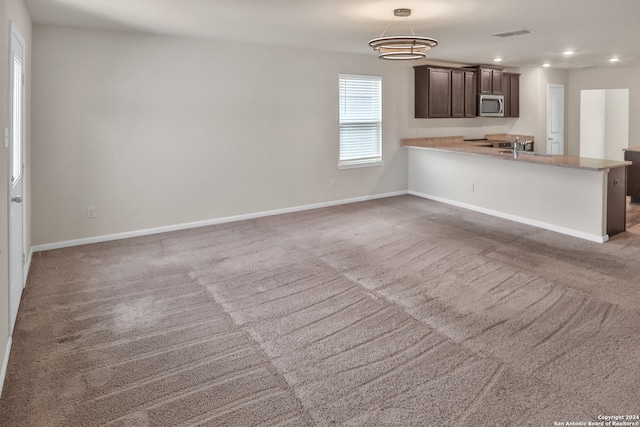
(568, 52)
(497, 59)
(546, 65)
(614, 59)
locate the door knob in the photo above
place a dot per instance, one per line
(17, 199)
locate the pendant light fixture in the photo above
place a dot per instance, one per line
(402, 47)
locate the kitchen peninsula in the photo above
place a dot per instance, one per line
(577, 196)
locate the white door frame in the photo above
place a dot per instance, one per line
(16, 207)
(555, 119)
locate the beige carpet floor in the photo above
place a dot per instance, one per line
(400, 311)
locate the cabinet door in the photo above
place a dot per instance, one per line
(507, 99)
(485, 77)
(514, 95)
(633, 175)
(421, 76)
(457, 93)
(439, 93)
(496, 82)
(470, 97)
(616, 201)
(511, 89)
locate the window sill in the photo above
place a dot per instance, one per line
(360, 164)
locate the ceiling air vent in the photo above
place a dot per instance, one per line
(512, 33)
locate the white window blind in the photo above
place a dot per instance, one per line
(360, 118)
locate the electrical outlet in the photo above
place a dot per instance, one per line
(91, 212)
(472, 187)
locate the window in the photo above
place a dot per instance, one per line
(360, 120)
(16, 128)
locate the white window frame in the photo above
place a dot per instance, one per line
(360, 123)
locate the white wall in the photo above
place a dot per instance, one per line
(11, 10)
(592, 123)
(616, 123)
(527, 123)
(533, 102)
(604, 123)
(156, 131)
(612, 77)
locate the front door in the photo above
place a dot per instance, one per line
(16, 173)
(555, 119)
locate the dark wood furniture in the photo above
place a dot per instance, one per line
(457, 93)
(444, 92)
(463, 93)
(470, 90)
(432, 92)
(617, 201)
(511, 89)
(632, 154)
(489, 80)
(439, 90)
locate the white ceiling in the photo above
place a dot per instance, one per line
(595, 29)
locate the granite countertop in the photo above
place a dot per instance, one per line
(524, 156)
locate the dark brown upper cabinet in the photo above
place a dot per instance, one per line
(463, 93)
(489, 81)
(444, 92)
(432, 92)
(470, 91)
(511, 90)
(457, 93)
(439, 93)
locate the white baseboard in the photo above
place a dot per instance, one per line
(184, 226)
(5, 364)
(551, 227)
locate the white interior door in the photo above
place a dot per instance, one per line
(16, 173)
(555, 119)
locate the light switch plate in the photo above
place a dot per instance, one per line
(6, 137)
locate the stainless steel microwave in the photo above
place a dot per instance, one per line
(491, 105)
